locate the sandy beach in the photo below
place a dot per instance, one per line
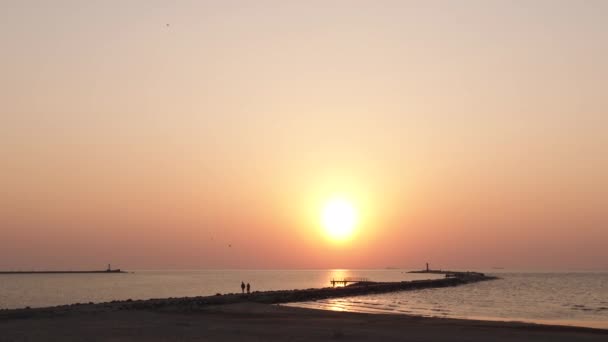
(264, 322)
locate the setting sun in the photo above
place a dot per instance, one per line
(339, 219)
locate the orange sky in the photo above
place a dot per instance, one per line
(471, 134)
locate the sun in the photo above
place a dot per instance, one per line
(339, 219)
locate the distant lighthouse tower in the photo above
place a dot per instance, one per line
(427, 266)
(109, 268)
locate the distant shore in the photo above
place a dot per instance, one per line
(61, 272)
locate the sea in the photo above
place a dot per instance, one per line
(564, 298)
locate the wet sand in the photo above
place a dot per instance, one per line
(263, 322)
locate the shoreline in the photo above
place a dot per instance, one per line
(264, 322)
(598, 324)
(261, 316)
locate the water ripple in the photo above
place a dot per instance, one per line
(563, 298)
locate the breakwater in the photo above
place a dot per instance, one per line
(363, 288)
(266, 297)
(107, 270)
(60, 272)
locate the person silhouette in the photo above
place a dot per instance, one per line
(242, 287)
(248, 288)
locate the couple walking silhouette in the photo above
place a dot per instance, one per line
(243, 288)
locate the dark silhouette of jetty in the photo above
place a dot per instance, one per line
(108, 270)
(348, 280)
(189, 304)
(448, 274)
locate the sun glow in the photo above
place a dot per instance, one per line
(339, 219)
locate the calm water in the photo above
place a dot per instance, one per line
(557, 298)
(39, 290)
(579, 299)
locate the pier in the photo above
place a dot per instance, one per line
(346, 281)
(450, 274)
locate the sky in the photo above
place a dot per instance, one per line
(209, 134)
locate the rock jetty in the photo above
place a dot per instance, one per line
(187, 304)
